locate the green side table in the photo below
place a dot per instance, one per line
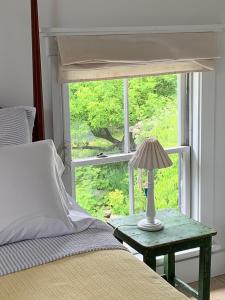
(179, 233)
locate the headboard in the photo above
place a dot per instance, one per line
(39, 129)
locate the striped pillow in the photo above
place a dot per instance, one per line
(30, 112)
(16, 126)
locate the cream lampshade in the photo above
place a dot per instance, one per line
(150, 155)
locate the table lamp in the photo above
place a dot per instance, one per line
(150, 155)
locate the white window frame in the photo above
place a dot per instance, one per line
(201, 201)
(203, 102)
(199, 196)
(183, 149)
(202, 131)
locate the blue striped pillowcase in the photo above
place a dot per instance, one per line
(16, 125)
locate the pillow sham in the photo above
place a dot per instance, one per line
(16, 125)
(30, 113)
(33, 201)
(14, 128)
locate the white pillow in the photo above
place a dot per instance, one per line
(32, 197)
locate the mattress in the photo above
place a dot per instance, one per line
(99, 275)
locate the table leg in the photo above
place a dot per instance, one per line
(169, 268)
(150, 260)
(119, 240)
(205, 270)
(116, 235)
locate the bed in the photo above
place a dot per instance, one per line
(90, 264)
(111, 274)
(87, 264)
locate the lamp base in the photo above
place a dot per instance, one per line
(145, 225)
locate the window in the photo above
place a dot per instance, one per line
(113, 117)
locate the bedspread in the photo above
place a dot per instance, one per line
(100, 275)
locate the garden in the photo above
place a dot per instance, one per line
(97, 126)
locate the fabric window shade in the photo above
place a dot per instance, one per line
(96, 57)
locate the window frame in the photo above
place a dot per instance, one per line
(203, 103)
(58, 128)
(183, 149)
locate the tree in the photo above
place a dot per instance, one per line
(97, 126)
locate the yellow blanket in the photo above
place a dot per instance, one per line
(101, 275)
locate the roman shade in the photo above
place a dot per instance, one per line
(96, 57)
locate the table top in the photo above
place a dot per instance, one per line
(177, 228)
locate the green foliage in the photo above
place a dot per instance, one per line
(117, 202)
(162, 125)
(96, 186)
(96, 104)
(166, 183)
(97, 126)
(149, 95)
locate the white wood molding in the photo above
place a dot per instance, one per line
(120, 157)
(203, 135)
(57, 106)
(60, 125)
(126, 115)
(183, 139)
(187, 264)
(195, 93)
(69, 173)
(57, 31)
(207, 148)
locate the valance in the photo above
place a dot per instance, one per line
(96, 57)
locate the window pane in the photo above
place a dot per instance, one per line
(103, 190)
(166, 187)
(96, 116)
(97, 126)
(153, 110)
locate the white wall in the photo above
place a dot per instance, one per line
(85, 13)
(15, 53)
(15, 46)
(219, 212)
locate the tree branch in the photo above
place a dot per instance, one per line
(104, 133)
(86, 147)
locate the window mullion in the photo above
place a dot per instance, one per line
(127, 142)
(66, 146)
(74, 194)
(183, 140)
(185, 182)
(126, 116)
(183, 110)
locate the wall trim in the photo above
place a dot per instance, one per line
(56, 31)
(187, 263)
(202, 143)
(188, 269)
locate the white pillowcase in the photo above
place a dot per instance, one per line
(33, 201)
